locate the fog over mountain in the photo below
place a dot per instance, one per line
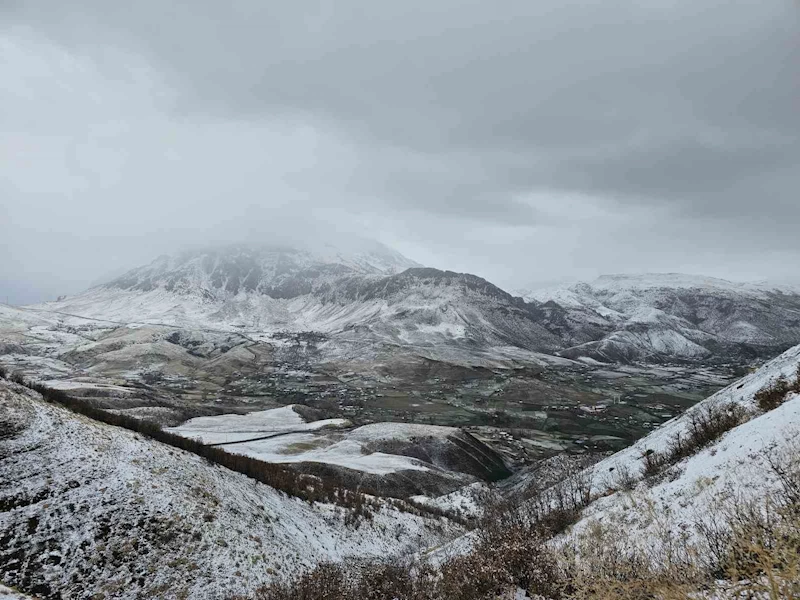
(525, 143)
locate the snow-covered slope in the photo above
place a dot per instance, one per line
(416, 457)
(278, 272)
(280, 435)
(90, 510)
(691, 493)
(256, 290)
(741, 392)
(687, 494)
(733, 469)
(670, 316)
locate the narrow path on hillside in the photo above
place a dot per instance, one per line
(264, 437)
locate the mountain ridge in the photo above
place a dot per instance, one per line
(279, 271)
(381, 294)
(661, 316)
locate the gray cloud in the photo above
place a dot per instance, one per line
(448, 127)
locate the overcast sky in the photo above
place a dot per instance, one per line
(524, 141)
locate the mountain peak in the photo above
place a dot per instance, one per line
(278, 270)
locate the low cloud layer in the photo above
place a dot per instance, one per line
(526, 141)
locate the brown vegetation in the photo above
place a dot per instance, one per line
(509, 552)
(775, 394)
(749, 549)
(706, 425)
(516, 559)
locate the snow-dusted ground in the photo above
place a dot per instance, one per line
(733, 469)
(376, 432)
(77, 384)
(92, 509)
(232, 428)
(466, 501)
(343, 453)
(280, 435)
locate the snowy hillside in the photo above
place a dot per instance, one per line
(741, 392)
(88, 509)
(278, 272)
(9, 594)
(411, 457)
(280, 435)
(257, 290)
(696, 489)
(659, 317)
(661, 512)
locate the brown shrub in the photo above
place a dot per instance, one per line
(764, 553)
(765, 536)
(499, 564)
(755, 555)
(745, 550)
(653, 462)
(603, 564)
(327, 580)
(622, 478)
(706, 425)
(775, 393)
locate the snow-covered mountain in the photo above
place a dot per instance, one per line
(372, 294)
(659, 317)
(377, 295)
(275, 271)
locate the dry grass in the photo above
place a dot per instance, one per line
(705, 426)
(749, 549)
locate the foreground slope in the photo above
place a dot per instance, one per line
(88, 509)
(696, 491)
(9, 594)
(676, 513)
